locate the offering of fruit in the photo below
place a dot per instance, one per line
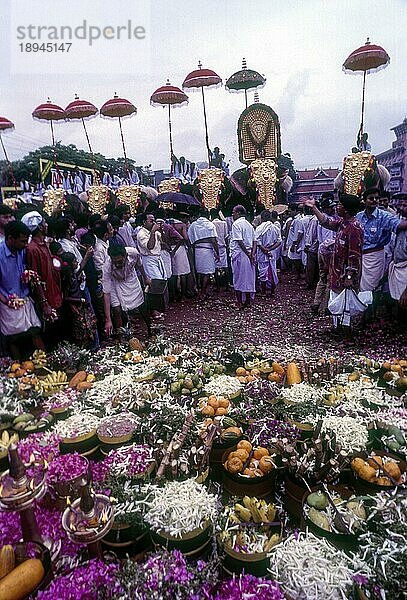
(249, 461)
(214, 406)
(346, 516)
(29, 423)
(53, 382)
(381, 470)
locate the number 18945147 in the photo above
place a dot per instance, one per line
(48, 47)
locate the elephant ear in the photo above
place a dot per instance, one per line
(239, 180)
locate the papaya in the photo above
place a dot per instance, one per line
(84, 385)
(7, 560)
(293, 374)
(22, 580)
(79, 377)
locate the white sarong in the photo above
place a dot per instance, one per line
(13, 322)
(180, 262)
(372, 270)
(268, 270)
(154, 266)
(397, 279)
(244, 273)
(166, 256)
(204, 259)
(222, 263)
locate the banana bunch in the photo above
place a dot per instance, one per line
(53, 382)
(254, 510)
(39, 359)
(7, 439)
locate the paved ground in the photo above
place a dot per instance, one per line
(284, 322)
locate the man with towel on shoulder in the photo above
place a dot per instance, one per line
(203, 237)
(243, 253)
(268, 238)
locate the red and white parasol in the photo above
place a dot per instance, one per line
(117, 108)
(50, 112)
(7, 126)
(81, 110)
(201, 78)
(169, 95)
(366, 59)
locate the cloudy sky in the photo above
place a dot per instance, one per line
(299, 45)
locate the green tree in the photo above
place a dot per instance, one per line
(28, 168)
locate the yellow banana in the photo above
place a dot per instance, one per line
(243, 513)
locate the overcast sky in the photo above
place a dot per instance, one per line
(299, 45)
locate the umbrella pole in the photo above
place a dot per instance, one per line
(170, 131)
(87, 136)
(206, 127)
(59, 178)
(245, 96)
(52, 133)
(96, 176)
(363, 104)
(126, 166)
(8, 163)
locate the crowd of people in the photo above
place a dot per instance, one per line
(87, 279)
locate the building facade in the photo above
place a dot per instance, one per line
(395, 160)
(312, 182)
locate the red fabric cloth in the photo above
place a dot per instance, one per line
(39, 259)
(347, 252)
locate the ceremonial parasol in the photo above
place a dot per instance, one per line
(177, 198)
(171, 96)
(7, 126)
(366, 59)
(201, 78)
(81, 109)
(246, 79)
(50, 112)
(117, 108)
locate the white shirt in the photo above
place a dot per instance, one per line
(127, 231)
(200, 229)
(266, 234)
(221, 231)
(100, 255)
(241, 231)
(143, 237)
(324, 234)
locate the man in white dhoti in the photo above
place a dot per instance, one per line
(294, 240)
(17, 315)
(203, 237)
(222, 232)
(149, 246)
(121, 288)
(243, 252)
(378, 226)
(398, 266)
(268, 239)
